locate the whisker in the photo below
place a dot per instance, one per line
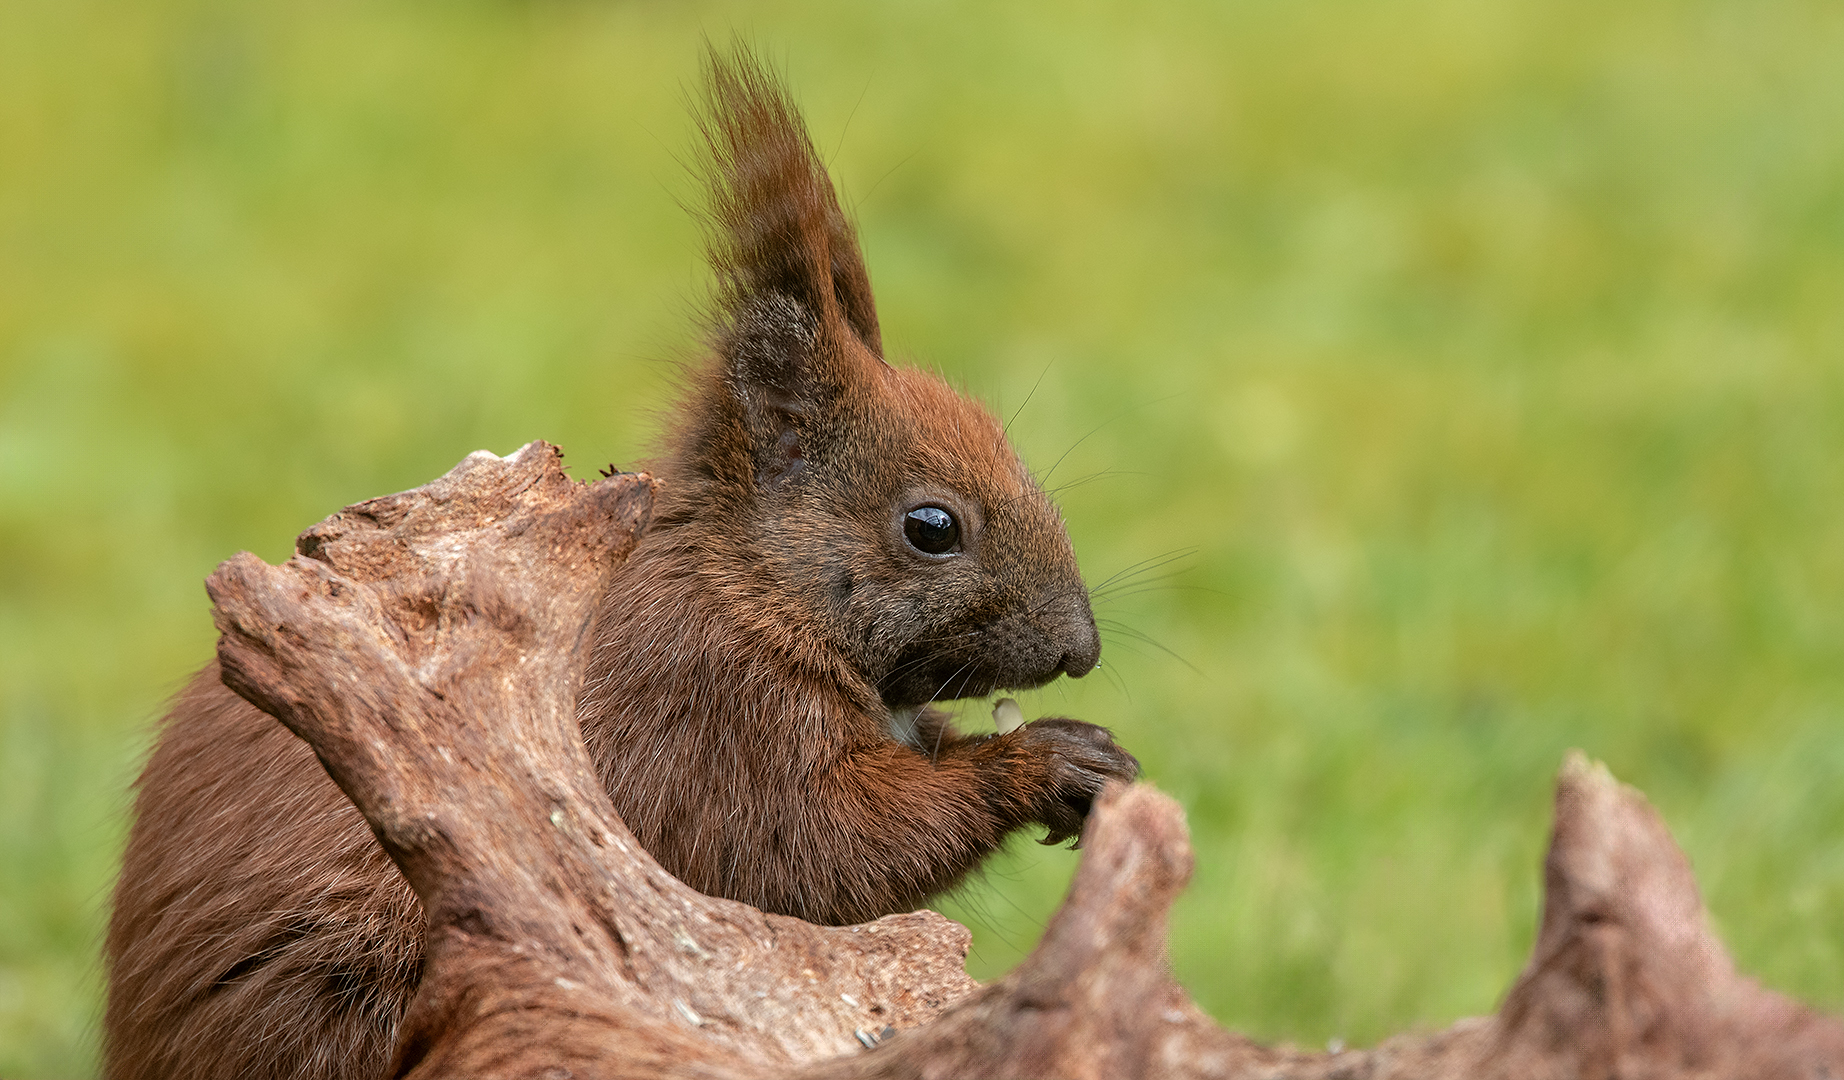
(1137, 581)
(1144, 566)
(921, 661)
(1104, 474)
(1007, 429)
(1111, 597)
(942, 731)
(1115, 678)
(1114, 627)
(1143, 582)
(1123, 413)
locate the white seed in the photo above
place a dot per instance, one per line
(1006, 715)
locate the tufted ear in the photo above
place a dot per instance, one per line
(794, 315)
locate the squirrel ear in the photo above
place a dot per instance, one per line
(793, 296)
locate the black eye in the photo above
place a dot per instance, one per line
(931, 530)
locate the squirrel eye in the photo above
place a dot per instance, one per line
(931, 530)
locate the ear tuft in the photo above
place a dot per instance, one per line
(784, 252)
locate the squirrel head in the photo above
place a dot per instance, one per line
(868, 510)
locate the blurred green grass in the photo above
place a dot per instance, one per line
(1484, 362)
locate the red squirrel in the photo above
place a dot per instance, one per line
(837, 544)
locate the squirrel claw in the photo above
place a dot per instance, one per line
(1082, 759)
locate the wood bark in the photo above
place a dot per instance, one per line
(428, 646)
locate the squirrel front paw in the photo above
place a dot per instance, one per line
(1073, 761)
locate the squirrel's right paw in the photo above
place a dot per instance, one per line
(1078, 760)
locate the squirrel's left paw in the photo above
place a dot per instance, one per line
(1082, 758)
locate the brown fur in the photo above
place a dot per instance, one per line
(758, 702)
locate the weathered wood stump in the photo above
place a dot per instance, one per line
(428, 645)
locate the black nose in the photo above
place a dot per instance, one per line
(1083, 649)
(1063, 615)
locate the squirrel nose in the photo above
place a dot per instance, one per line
(1067, 620)
(1081, 655)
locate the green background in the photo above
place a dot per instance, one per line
(1482, 362)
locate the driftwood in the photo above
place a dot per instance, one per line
(428, 646)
